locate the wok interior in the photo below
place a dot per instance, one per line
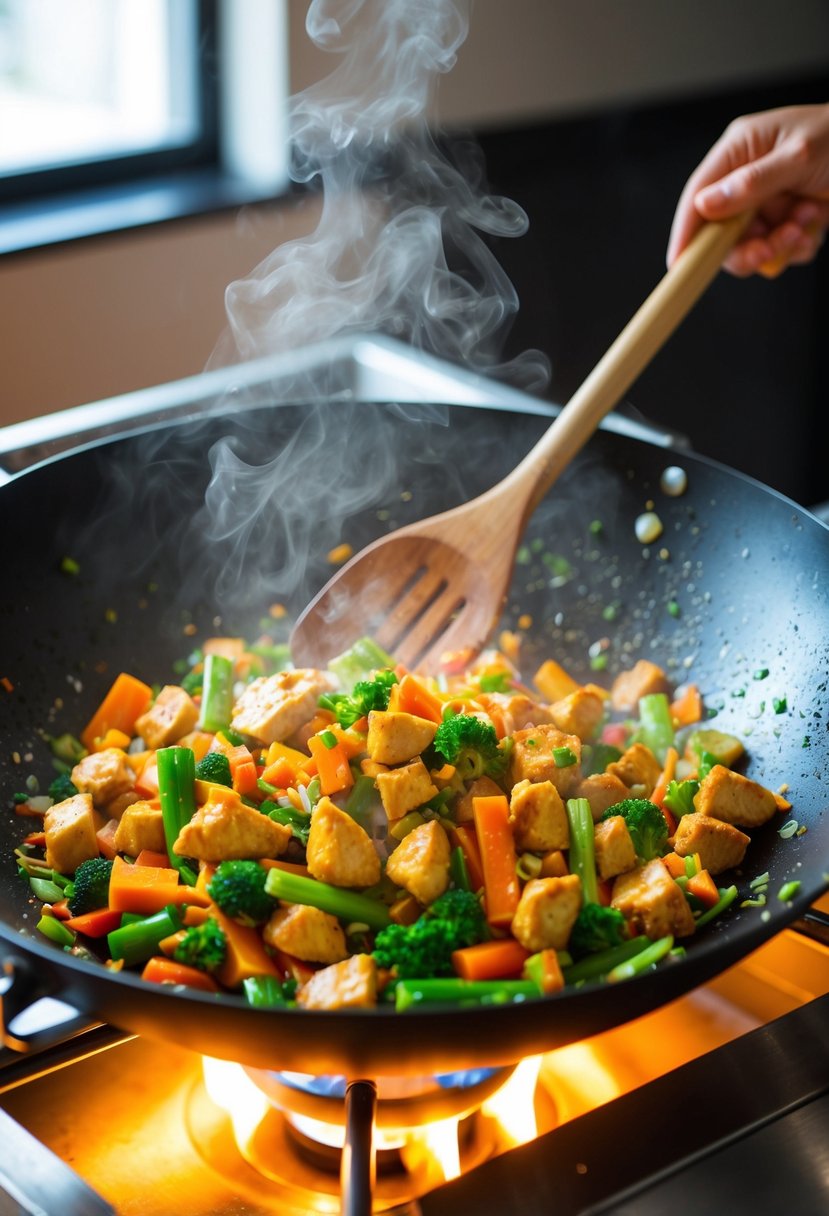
(741, 563)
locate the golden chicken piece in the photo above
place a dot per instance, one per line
(533, 758)
(547, 912)
(613, 847)
(579, 713)
(602, 791)
(225, 829)
(734, 798)
(637, 768)
(420, 863)
(643, 679)
(720, 845)
(481, 787)
(307, 933)
(402, 789)
(538, 817)
(70, 828)
(351, 984)
(272, 707)
(141, 827)
(105, 775)
(395, 737)
(172, 715)
(517, 710)
(652, 903)
(339, 850)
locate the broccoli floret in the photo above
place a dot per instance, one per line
(471, 745)
(679, 796)
(424, 949)
(215, 767)
(646, 824)
(90, 886)
(366, 696)
(62, 787)
(596, 928)
(203, 946)
(238, 889)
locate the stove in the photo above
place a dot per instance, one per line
(718, 1101)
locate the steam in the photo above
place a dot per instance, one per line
(399, 250)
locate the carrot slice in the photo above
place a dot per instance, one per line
(160, 970)
(501, 887)
(246, 953)
(702, 885)
(413, 697)
(687, 709)
(123, 704)
(147, 857)
(464, 835)
(148, 889)
(499, 959)
(332, 765)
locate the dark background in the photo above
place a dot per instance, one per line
(745, 376)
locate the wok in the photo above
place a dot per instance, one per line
(745, 566)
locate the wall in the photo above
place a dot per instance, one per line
(99, 317)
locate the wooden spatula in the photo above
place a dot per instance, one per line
(439, 585)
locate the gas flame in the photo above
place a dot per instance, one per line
(513, 1107)
(232, 1090)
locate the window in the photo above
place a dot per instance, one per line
(92, 89)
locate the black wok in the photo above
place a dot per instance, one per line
(745, 567)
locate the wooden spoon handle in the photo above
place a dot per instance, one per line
(634, 348)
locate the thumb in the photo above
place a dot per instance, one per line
(749, 185)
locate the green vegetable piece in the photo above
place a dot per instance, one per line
(564, 757)
(471, 745)
(238, 889)
(56, 931)
(596, 966)
(349, 906)
(138, 940)
(726, 749)
(203, 946)
(362, 797)
(267, 992)
(176, 791)
(498, 681)
(217, 693)
(90, 886)
(298, 821)
(582, 851)
(679, 797)
(595, 757)
(416, 992)
(788, 891)
(727, 897)
(640, 962)
(424, 949)
(367, 695)
(458, 871)
(596, 928)
(656, 727)
(214, 767)
(646, 824)
(46, 890)
(359, 662)
(67, 748)
(62, 788)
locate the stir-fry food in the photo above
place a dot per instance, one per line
(363, 835)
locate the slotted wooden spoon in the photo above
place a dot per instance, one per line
(439, 585)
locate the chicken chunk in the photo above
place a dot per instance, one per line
(272, 707)
(734, 798)
(402, 789)
(481, 787)
(70, 828)
(579, 713)
(339, 850)
(141, 827)
(613, 847)
(638, 768)
(652, 903)
(225, 829)
(642, 679)
(307, 933)
(395, 737)
(516, 710)
(351, 984)
(172, 715)
(105, 775)
(720, 845)
(602, 791)
(538, 817)
(420, 863)
(547, 912)
(532, 758)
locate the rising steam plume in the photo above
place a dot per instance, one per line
(399, 247)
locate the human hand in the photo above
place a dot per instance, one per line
(775, 163)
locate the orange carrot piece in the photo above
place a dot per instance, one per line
(674, 864)
(332, 766)
(464, 835)
(194, 916)
(126, 700)
(352, 743)
(498, 959)
(97, 923)
(106, 839)
(148, 889)
(160, 970)
(291, 867)
(294, 967)
(702, 886)
(245, 778)
(147, 857)
(553, 682)
(168, 945)
(37, 840)
(665, 777)
(413, 697)
(281, 773)
(687, 709)
(501, 887)
(246, 953)
(146, 782)
(551, 977)
(111, 738)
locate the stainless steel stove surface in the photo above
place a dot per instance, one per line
(717, 1102)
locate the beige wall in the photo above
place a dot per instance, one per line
(99, 317)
